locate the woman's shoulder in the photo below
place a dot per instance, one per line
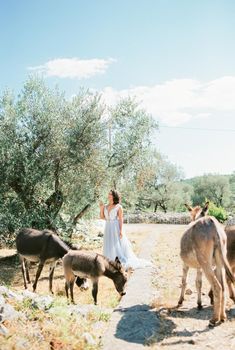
(119, 206)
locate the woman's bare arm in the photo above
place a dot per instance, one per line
(120, 219)
(101, 204)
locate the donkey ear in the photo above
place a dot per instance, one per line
(118, 262)
(205, 208)
(188, 207)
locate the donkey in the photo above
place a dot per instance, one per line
(230, 232)
(93, 266)
(43, 247)
(203, 246)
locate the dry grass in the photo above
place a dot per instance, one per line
(59, 331)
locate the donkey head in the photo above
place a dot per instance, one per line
(120, 277)
(198, 212)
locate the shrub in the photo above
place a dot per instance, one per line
(218, 212)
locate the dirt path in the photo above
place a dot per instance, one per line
(186, 327)
(133, 321)
(138, 321)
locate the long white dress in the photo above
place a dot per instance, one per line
(114, 246)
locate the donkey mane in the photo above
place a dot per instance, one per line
(111, 263)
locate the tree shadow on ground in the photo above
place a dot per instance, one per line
(10, 267)
(138, 323)
(142, 325)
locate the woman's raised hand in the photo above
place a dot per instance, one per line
(101, 204)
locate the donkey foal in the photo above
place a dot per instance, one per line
(93, 266)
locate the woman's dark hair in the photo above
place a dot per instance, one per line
(116, 196)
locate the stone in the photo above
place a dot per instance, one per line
(8, 313)
(88, 338)
(42, 302)
(3, 330)
(4, 290)
(2, 300)
(28, 294)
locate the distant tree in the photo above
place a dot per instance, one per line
(159, 185)
(215, 188)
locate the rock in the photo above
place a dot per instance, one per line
(2, 300)
(8, 313)
(98, 325)
(88, 338)
(28, 294)
(188, 292)
(3, 330)
(4, 290)
(42, 302)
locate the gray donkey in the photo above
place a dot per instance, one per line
(93, 266)
(42, 247)
(203, 246)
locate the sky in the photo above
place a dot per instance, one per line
(176, 57)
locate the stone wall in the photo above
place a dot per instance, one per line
(157, 218)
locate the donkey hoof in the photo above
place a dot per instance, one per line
(180, 302)
(223, 318)
(199, 306)
(213, 323)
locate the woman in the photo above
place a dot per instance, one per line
(116, 243)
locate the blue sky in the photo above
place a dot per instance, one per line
(176, 57)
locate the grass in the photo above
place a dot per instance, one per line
(59, 330)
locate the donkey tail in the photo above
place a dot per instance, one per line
(224, 259)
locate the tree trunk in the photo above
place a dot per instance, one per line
(81, 213)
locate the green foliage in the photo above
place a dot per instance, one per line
(156, 184)
(218, 212)
(56, 157)
(215, 188)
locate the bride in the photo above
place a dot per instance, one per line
(116, 243)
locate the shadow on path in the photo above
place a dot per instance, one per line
(139, 323)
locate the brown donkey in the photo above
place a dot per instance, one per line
(42, 247)
(203, 246)
(230, 232)
(93, 266)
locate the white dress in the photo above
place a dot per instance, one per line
(114, 246)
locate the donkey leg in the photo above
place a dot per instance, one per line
(27, 271)
(184, 284)
(211, 296)
(67, 290)
(199, 288)
(95, 290)
(71, 285)
(217, 292)
(51, 274)
(231, 287)
(23, 269)
(38, 273)
(220, 274)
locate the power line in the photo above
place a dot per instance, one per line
(196, 129)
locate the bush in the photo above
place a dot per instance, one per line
(218, 212)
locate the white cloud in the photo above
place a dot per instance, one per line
(177, 101)
(73, 67)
